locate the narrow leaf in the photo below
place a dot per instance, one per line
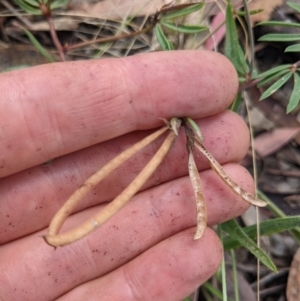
(272, 77)
(163, 41)
(30, 8)
(33, 3)
(293, 48)
(295, 96)
(232, 47)
(236, 103)
(233, 229)
(188, 29)
(33, 6)
(15, 68)
(59, 3)
(280, 37)
(251, 12)
(38, 46)
(272, 71)
(268, 227)
(213, 290)
(278, 23)
(195, 128)
(294, 6)
(182, 12)
(276, 86)
(278, 212)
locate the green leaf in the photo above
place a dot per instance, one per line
(59, 3)
(233, 49)
(184, 28)
(272, 71)
(213, 290)
(280, 37)
(38, 46)
(293, 48)
(295, 96)
(194, 127)
(234, 276)
(31, 7)
(294, 6)
(251, 12)
(268, 227)
(223, 267)
(271, 77)
(280, 82)
(163, 41)
(15, 68)
(278, 212)
(34, 3)
(236, 103)
(233, 229)
(182, 12)
(278, 23)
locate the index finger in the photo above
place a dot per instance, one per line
(52, 110)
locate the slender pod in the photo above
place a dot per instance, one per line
(200, 202)
(246, 196)
(55, 239)
(95, 179)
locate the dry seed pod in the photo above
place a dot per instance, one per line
(95, 179)
(246, 196)
(200, 202)
(55, 239)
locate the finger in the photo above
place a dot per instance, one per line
(171, 270)
(150, 217)
(52, 110)
(32, 197)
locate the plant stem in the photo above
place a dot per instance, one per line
(109, 39)
(55, 39)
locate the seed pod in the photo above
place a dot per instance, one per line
(200, 202)
(246, 196)
(55, 239)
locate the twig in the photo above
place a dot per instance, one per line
(55, 39)
(109, 39)
(47, 13)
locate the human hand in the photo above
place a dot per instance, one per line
(83, 114)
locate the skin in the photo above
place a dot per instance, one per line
(83, 114)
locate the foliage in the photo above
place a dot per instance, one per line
(33, 7)
(168, 22)
(283, 73)
(38, 46)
